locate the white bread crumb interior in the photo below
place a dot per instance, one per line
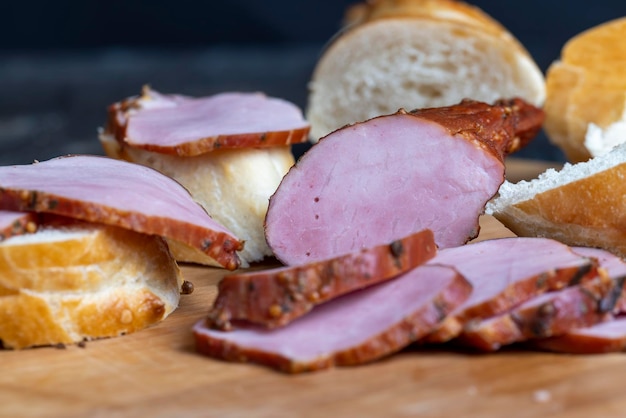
(512, 193)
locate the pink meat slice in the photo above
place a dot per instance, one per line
(114, 192)
(550, 314)
(605, 337)
(609, 336)
(356, 328)
(614, 266)
(275, 297)
(191, 126)
(16, 223)
(376, 181)
(506, 272)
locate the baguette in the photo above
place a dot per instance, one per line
(586, 93)
(415, 54)
(73, 281)
(580, 205)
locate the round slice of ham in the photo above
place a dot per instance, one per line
(356, 328)
(114, 192)
(187, 126)
(278, 296)
(16, 223)
(376, 181)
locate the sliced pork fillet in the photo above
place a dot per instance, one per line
(277, 296)
(356, 328)
(615, 267)
(16, 223)
(550, 314)
(376, 181)
(605, 337)
(100, 189)
(203, 124)
(506, 272)
(609, 336)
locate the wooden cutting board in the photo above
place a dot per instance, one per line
(156, 373)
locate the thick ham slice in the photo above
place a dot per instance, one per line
(506, 272)
(609, 336)
(376, 181)
(356, 328)
(605, 337)
(550, 314)
(277, 296)
(100, 189)
(186, 126)
(16, 223)
(615, 267)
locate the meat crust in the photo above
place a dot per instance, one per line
(356, 328)
(277, 296)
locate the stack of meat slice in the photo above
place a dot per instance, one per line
(484, 295)
(603, 337)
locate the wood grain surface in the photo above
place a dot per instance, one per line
(156, 373)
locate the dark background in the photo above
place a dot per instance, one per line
(63, 62)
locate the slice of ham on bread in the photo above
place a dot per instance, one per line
(229, 150)
(188, 126)
(275, 297)
(72, 281)
(411, 54)
(581, 204)
(382, 179)
(118, 193)
(356, 328)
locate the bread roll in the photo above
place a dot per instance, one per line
(413, 54)
(71, 282)
(582, 204)
(586, 93)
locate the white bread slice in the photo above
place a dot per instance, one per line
(80, 281)
(233, 186)
(414, 54)
(582, 204)
(586, 92)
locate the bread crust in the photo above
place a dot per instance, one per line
(586, 85)
(82, 282)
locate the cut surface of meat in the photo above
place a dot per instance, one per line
(503, 277)
(605, 337)
(277, 296)
(356, 328)
(187, 126)
(549, 314)
(376, 181)
(16, 223)
(114, 192)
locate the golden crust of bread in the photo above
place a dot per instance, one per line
(587, 85)
(444, 10)
(66, 285)
(589, 212)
